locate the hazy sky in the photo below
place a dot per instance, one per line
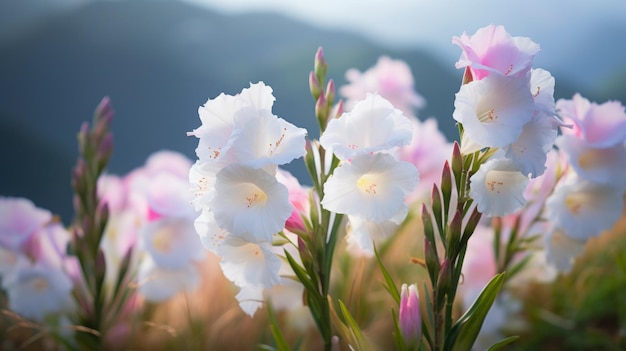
(561, 30)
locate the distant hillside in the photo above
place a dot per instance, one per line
(158, 61)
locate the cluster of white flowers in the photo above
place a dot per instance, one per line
(242, 203)
(509, 106)
(370, 185)
(589, 198)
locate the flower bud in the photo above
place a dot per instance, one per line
(314, 86)
(409, 318)
(320, 65)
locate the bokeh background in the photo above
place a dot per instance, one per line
(160, 60)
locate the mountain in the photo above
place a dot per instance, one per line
(159, 61)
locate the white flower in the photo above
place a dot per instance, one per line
(35, 291)
(265, 139)
(562, 249)
(217, 129)
(202, 181)
(498, 188)
(542, 89)
(250, 299)
(363, 234)
(528, 152)
(583, 209)
(250, 201)
(211, 235)
(494, 110)
(171, 242)
(248, 263)
(373, 125)
(371, 186)
(159, 284)
(600, 165)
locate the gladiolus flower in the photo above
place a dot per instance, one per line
(250, 201)
(371, 186)
(373, 125)
(498, 188)
(494, 110)
(491, 50)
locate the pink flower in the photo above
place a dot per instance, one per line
(492, 50)
(600, 126)
(409, 316)
(19, 221)
(392, 79)
(428, 151)
(299, 199)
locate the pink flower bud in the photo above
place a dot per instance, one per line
(409, 318)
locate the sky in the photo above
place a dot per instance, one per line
(562, 31)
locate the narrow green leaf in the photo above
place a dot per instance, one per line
(429, 314)
(301, 274)
(279, 338)
(359, 338)
(502, 343)
(390, 285)
(463, 334)
(398, 338)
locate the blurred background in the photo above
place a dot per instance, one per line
(160, 60)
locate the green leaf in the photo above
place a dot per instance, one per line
(391, 286)
(398, 338)
(279, 338)
(464, 332)
(358, 339)
(504, 342)
(300, 273)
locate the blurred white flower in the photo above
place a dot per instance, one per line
(159, 284)
(171, 242)
(562, 249)
(36, 290)
(583, 209)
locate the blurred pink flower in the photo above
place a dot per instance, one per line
(392, 79)
(20, 219)
(600, 126)
(427, 151)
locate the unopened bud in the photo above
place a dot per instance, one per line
(330, 91)
(320, 65)
(409, 318)
(314, 86)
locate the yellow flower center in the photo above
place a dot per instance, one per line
(367, 184)
(255, 196)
